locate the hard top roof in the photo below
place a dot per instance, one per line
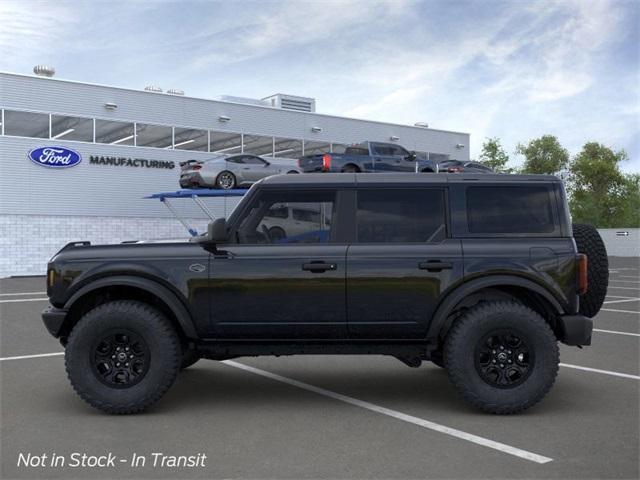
(358, 179)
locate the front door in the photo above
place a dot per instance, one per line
(401, 263)
(280, 280)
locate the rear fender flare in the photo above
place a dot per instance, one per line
(447, 306)
(174, 304)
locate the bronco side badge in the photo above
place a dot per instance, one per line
(197, 267)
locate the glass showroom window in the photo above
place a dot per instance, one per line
(438, 157)
(71, 128)
(287, 148)
(338, 147)
(190, 139)
(314, 148)
(157, 136)
(258, 145)
(225, 142)
(114, 133)
(26, 124)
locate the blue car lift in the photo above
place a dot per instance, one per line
(195, 195)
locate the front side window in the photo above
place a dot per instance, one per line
(251, 160)
(510, 209)
(401, 216)
(268, 220)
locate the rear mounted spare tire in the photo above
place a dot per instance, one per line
(590, 243)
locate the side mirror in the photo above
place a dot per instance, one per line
(412, 156)
(266, 164)
(217, 231)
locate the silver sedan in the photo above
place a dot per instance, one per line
(231, 171)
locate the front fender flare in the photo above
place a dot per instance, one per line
(163, 293)
(439, 319)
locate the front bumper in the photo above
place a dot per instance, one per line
(576, 329)
(53, 319)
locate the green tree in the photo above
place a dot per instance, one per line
(494, 156)
(600, 193)
(543, 155)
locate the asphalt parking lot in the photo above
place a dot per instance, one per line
(327, 417)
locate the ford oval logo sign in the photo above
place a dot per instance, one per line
(55, 157)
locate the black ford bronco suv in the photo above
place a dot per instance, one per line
(480, 274)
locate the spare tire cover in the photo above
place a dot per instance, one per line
(590, 243)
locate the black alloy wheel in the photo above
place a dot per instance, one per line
(503, 359)
(120, 359)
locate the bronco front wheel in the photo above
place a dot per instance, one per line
(502, 357)
(122, 356)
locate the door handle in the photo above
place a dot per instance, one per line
(435, 266)
(318, 267)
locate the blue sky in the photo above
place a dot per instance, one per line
(515, 70)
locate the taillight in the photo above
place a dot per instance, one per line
(326, 162)
(583, 279)
(299, 163)
(455, 169)
(196, 167)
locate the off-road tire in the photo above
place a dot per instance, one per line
(189, 357)
(590, 243)
(468, 332)
(161, 341)
(437, 359)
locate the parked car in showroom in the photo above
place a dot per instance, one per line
(231, 171)
(370, 157)
(460, 166)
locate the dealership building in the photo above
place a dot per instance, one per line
(129, 144)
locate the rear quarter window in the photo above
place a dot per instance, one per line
(500, 209)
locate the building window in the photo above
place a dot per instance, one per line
(157, 136)
(315, 148)
(114, 133)
(26, 124)
(190, 139)
(225, 142)
(287, 148)
(258, 145)
(71, 128)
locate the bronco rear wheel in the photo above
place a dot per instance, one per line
(122, 356)
(502, 357)
(590, 243)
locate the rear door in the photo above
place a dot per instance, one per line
(401, 262)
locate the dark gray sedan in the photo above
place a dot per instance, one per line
(231, 171)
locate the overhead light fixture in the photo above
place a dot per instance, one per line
(110, 106)
(62, 134)
(227, 149)
(394, 138)
(421, 124)
(183, 143)
(316, 129)
(223, 118)
(460, 146)
(124, 139)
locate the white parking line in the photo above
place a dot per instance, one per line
(616, 332)
(21, 293)
(39, 355)
(623, 281)
(621, 301)
(618, 311)
(25, 300)
(597, 370)
(617, 296)
(637, 289)
(485, 442)
(635, 277)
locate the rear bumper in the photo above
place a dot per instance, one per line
(53, 319)
(576, 329)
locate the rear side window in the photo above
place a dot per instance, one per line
(510, 209)
(401, 216)
(356, 151)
